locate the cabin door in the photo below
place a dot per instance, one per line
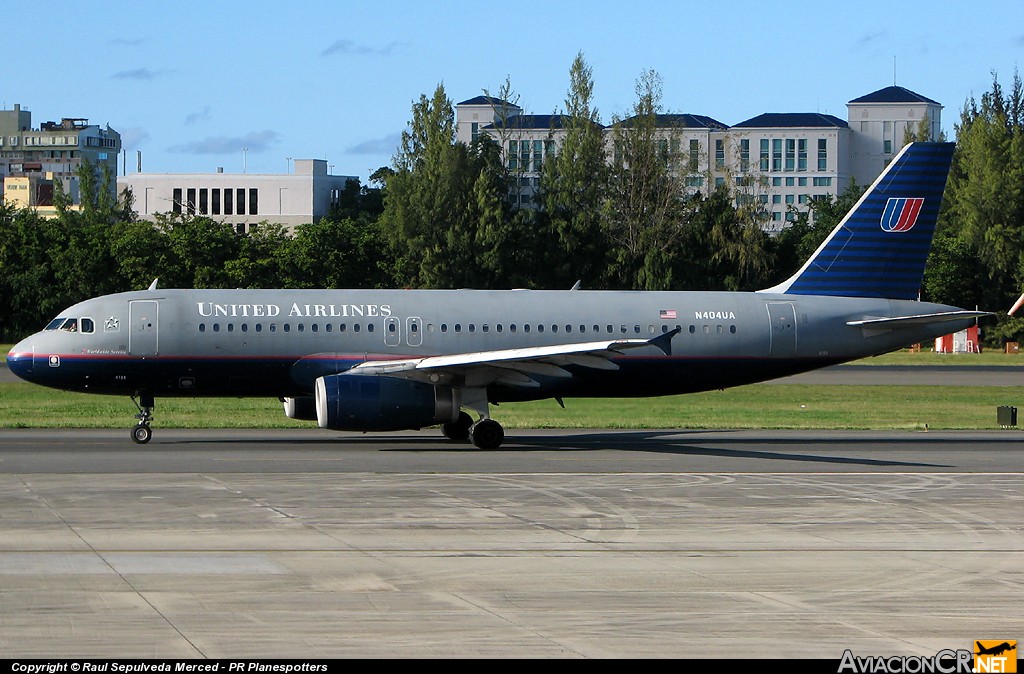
(143, 337)
(783, 328)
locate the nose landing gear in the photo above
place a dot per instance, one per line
(141, 433)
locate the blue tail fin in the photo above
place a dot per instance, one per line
(881, 246)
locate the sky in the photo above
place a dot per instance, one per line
(190, 84)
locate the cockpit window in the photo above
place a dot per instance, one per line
(86, 325)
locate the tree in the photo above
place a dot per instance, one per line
(985, 192)
(645, 194)
(432, 202)
(573, 187)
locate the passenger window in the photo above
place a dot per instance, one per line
(693, 329)
(287, 327)
(202, 327)
(369, 327)
(732, 329)
(458, 327)
(342, 327)
(216, 327)
(273, 327)
(245, 327)
(512, 328)
(355, 327)
(231, 327)
(540, 328)
(259, 327)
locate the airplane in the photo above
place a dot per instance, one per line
(994, 650)
(385, 360)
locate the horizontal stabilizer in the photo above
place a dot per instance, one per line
(919, 319)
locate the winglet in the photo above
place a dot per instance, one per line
(664, 341)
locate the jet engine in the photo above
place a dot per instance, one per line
(363, 402)
(303, 408)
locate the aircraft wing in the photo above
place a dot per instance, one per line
(919, 319)
(515, 367)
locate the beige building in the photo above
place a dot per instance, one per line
(775, 162)
(33, 160)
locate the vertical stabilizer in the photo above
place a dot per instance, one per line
(880, 248)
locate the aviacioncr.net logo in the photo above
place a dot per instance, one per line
(946, 661)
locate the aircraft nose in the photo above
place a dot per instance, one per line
(19, 360)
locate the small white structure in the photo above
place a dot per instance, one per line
(241, 199)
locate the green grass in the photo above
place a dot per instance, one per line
(756, 406)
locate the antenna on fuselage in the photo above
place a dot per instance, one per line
(152, 286)
(576, 286)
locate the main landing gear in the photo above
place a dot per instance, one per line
(141, 433)
(485, 434)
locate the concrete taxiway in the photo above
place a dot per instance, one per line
(291, 544)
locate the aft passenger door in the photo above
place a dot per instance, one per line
(143, 322)
(782, 318)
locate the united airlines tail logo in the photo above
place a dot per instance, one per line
(900, 214)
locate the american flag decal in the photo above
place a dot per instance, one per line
(667, 314)
(900, 214)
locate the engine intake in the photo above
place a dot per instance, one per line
(361, 402)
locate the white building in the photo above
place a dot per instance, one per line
(775, 161)
(241, 199)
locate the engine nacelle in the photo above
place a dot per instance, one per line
(303, 409)
(366, 402)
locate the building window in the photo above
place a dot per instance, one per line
(228, 193)
(694, 154)
(176, 200)
(887, 146)
(538, 154)
(776, 154)
(822, 154)
(204, 201)
(191, 198)
(240, 194)
(215, 201)
(513, 155)
(801, 155)
(764, 154)
(253, 201)
(745, 154)
(474, 130)
(790, 154)
(719, 154)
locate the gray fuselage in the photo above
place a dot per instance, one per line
(278, 342)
